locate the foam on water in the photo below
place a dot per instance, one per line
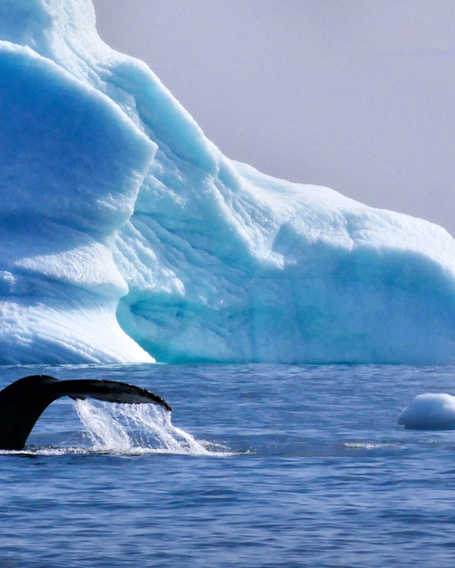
(46, 451)
(370, 445)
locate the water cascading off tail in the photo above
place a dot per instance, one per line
(137, 428)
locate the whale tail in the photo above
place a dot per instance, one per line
(23, 402)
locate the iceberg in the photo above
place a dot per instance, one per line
(127, 236)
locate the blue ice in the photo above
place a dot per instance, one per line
(127, 235)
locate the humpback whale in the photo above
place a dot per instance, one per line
(23, 402)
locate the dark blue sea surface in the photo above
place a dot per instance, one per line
(289, 466)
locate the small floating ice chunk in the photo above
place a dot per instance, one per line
(430, 411)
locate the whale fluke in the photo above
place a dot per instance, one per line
(23, 402)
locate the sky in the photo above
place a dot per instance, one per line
(357, 95)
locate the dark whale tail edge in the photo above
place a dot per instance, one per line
(23, 402)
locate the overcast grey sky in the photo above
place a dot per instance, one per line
(354, 94)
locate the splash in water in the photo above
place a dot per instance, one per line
(138, 428)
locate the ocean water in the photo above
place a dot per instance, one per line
(262, 465)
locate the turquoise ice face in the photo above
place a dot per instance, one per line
(126, 235)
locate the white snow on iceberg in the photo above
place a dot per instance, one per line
(429, 411)
(126, 235)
